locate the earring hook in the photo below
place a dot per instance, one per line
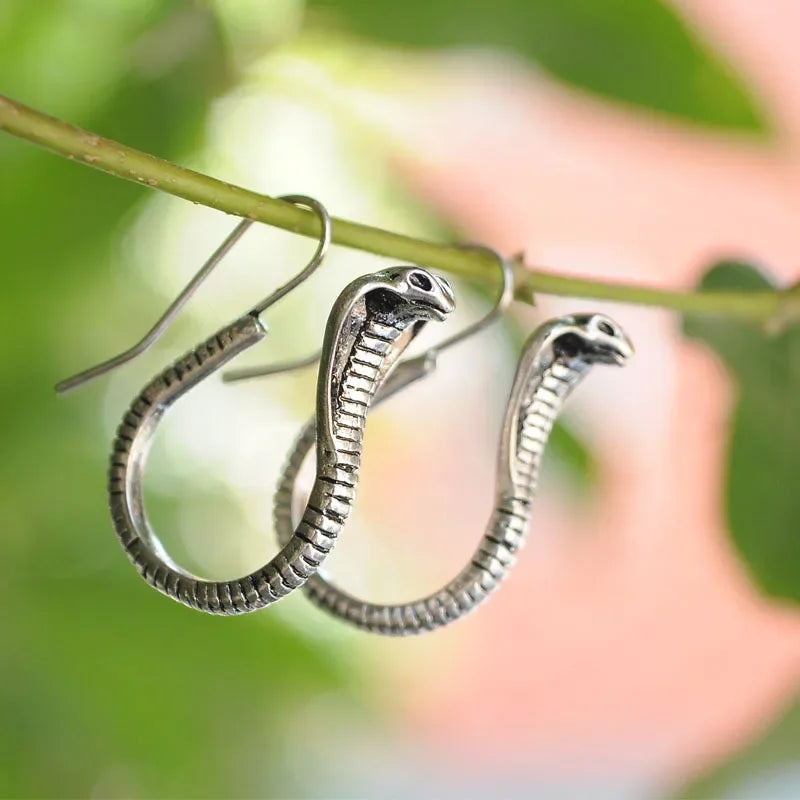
(501, 304)
(244, 373)
(166, 319)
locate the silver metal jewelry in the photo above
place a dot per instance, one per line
(413, 366)
(554, 360)
(370, 325)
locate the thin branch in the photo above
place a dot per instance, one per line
(133, 165)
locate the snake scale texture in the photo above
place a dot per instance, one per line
(372, 323)
(554, 361)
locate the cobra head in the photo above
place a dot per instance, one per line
(593, 338)
(416, 292)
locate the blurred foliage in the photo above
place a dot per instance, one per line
(640, 52)
(574, 458)
(764, 458)
(763, 509)
(105, 687)
(767, 768)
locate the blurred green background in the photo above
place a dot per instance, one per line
(107, 689)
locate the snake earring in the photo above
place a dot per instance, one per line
(409, 370)
(554, 360)
(371, 323)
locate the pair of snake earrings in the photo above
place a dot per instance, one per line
(371, 324)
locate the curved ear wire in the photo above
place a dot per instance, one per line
(413, 369)
(316, 259)
(244, 373)
(166, 319)
(501, 304)
(363, 341)
(418, 366)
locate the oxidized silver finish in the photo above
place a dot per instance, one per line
(554, 360)
(502, 302)
(371, 323)
(369, 327)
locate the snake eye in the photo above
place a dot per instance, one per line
(421, 281)
(604, 327)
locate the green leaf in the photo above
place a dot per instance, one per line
(638, 52)
(573, 456)
(769, 767)
(762, 497)
(107, 690)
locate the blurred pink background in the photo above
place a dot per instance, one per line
(629, 638)
(629, 648)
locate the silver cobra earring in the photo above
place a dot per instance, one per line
(370, 325)
(409, 370)
(554, 360)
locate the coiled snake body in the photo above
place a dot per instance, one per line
(371, 324)
(554, 361)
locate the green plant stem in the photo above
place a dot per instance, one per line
(133, 165)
